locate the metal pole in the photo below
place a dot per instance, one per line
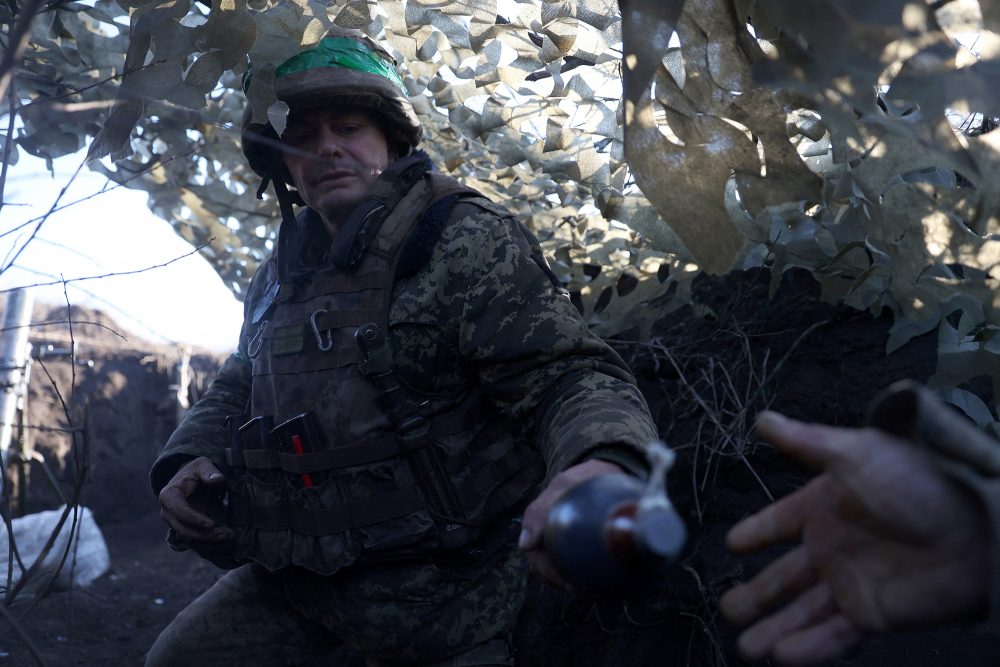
(14, 353)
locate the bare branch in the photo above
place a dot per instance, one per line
(66, 248)
(44, 218)
(117, 185)
(113, 273)
(54, 322)
(8, 146)
(107, 304)
(70, 93)
(72, 342)
(71, 507)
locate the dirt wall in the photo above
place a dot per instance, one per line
(101, 403)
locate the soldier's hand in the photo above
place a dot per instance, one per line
(186, 500)
(887, 542)
(536, 514)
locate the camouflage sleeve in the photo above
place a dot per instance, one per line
(537, 360)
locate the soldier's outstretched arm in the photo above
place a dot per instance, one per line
(542, 367)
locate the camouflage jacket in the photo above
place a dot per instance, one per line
(473, 302)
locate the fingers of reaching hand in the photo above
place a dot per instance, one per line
(779, 521)
(814, 444)
(810, 616)
(782, 580)
(818, 643)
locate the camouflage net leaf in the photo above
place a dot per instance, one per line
(910, 202)
(714, 122)
(519, 99)
(642, 147)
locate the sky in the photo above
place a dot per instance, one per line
(184, 302)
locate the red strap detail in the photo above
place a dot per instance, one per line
(297, 446)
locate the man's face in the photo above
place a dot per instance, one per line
(345, 151)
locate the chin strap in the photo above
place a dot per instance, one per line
(288, 231)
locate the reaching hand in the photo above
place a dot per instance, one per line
(186, 500)
(887, 542)
(536, 514)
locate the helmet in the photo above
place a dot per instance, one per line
(345, 68)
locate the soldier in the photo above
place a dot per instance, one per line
(409, 376)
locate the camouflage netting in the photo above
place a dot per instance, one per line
(642, 145)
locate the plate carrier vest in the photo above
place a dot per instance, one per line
(340, 463)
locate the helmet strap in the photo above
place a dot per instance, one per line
(287, 233)
(264, 182)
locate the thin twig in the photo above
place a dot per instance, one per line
(72, 343)
(77, 91)
(640, 624)
(596, 611)
(723, 432)
(122, 183)
(69, 249)
(794, 345)
(8, 146)
(54, 322)
(112, 274)
(44, 218)
(107, 305)
(71, 507)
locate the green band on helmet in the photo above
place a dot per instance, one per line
(341, 52)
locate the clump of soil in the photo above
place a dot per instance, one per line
(704, 378)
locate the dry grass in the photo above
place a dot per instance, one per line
(726, 389)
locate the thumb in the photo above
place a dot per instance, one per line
(209, 474)
(532, 526)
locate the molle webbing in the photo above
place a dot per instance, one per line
(319, 461)
(412, 428)
(370, 451)
(328, 521)
(414, 472)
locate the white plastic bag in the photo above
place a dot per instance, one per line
(31, 532)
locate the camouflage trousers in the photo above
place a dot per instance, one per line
(448, 612)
